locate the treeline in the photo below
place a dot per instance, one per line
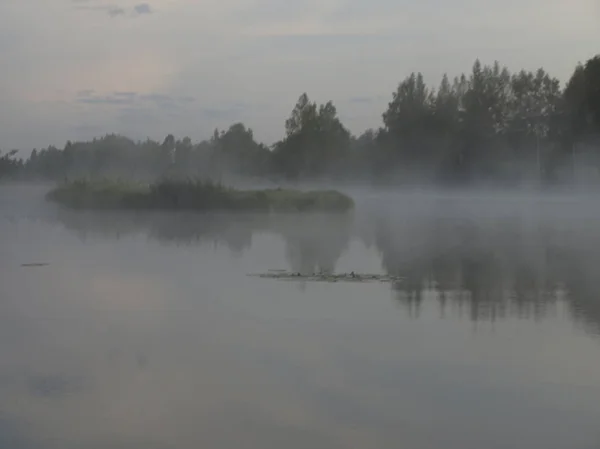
(10, 165)
(489, 125)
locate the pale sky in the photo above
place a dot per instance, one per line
(77, 69)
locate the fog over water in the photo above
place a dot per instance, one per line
(144, 330)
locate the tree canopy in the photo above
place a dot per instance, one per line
(489, 124)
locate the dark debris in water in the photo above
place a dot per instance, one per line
(328, 277)
(35, 264)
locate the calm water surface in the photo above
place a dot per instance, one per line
(144, 331)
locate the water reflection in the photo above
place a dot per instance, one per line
(175, 228)
(150, 337)
(511, 264)
(313, 242)
(487, 266)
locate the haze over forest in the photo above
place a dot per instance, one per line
(378, 105)
(309, 224)
(489, 125)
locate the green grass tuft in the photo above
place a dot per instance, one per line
(193, 194)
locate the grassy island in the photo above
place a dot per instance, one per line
(193, 195)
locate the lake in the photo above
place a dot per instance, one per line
(145, 330)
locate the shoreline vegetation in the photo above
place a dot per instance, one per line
(193, 194)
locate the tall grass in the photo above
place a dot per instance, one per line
(192, 194)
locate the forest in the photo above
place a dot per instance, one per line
(490, 126)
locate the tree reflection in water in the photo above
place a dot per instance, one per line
(493, 267)
(489, 265)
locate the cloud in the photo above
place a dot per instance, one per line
(124, 94)
(113, 10)
(142, 8)
(116, 11)
(105, 100)
(159, 101)
(156, 114)
(135, 113)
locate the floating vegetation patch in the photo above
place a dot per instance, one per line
(192, 194)
(283, 275)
